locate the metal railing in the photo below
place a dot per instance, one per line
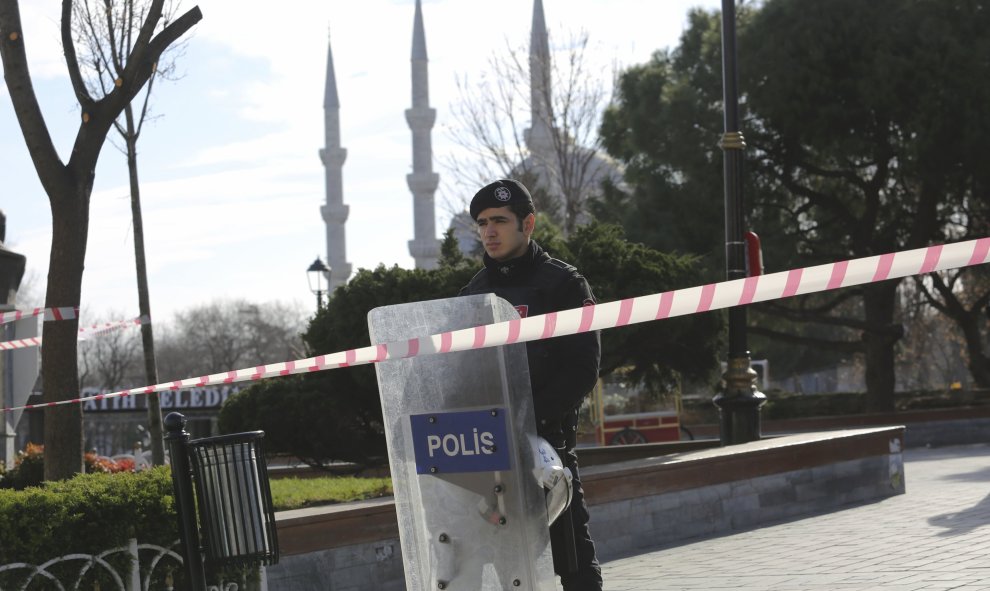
(152, 562)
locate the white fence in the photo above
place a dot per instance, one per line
(151, 560)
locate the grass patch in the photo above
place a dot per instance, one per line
(296, 493)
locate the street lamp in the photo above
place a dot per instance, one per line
(318, 275)
(740, 401)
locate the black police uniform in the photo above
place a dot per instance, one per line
(563, 370)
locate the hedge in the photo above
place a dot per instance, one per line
(88, 514)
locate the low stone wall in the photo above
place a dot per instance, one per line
(648, 502)
(960, 431)
(922, 428)
(635, 503)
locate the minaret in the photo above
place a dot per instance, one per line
(333, 157)
(424, 247)
(538, 137)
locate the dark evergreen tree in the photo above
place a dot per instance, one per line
(862, 122)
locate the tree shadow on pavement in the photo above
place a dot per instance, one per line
(957, 522)
(965, 521)
(981, 475)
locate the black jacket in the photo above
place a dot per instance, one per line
(562, 369)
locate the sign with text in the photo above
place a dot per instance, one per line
(465, 441)
(202, 398)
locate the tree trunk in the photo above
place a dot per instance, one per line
(879, 302)
(968, 321)
(979, 363)
(63, 424)
(144, 301)
(69, 187)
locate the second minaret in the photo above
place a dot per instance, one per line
(424, 247)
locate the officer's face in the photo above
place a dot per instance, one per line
(502, 234)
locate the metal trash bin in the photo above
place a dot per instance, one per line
(234, 499)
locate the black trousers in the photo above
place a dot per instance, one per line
(588, 575)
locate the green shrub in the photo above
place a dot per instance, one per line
(308, 417)
(87, 514)
(28, 470)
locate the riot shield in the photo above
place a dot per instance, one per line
(460, 432)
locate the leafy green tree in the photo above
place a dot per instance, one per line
(849, 154)
(450, 251)
(659, 354)
(663, 126)
(863, 158)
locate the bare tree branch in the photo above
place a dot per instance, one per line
(568, 167)
(32, 123)
(71, 62)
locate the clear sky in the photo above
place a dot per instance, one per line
(231, 179)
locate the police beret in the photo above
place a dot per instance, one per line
(499, 194)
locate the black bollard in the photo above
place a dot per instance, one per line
(176, 437)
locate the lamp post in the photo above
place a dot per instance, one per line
(739, 402)
(318, 275)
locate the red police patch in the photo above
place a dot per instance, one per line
(523, 310)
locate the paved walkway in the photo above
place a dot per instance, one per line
(935, 536)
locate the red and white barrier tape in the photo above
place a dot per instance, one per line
(20, 343)
(50, 314)
(669, 304)
(87, 332)
(96, 330)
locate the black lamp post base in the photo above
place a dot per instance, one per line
(739, 404)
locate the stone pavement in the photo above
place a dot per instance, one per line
(935, 536)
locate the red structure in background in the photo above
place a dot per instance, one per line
(649, 426)
(641, 427)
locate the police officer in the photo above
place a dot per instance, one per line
(563, 370)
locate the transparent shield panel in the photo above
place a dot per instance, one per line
(459, 427)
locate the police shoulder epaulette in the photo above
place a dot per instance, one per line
(560, 272)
